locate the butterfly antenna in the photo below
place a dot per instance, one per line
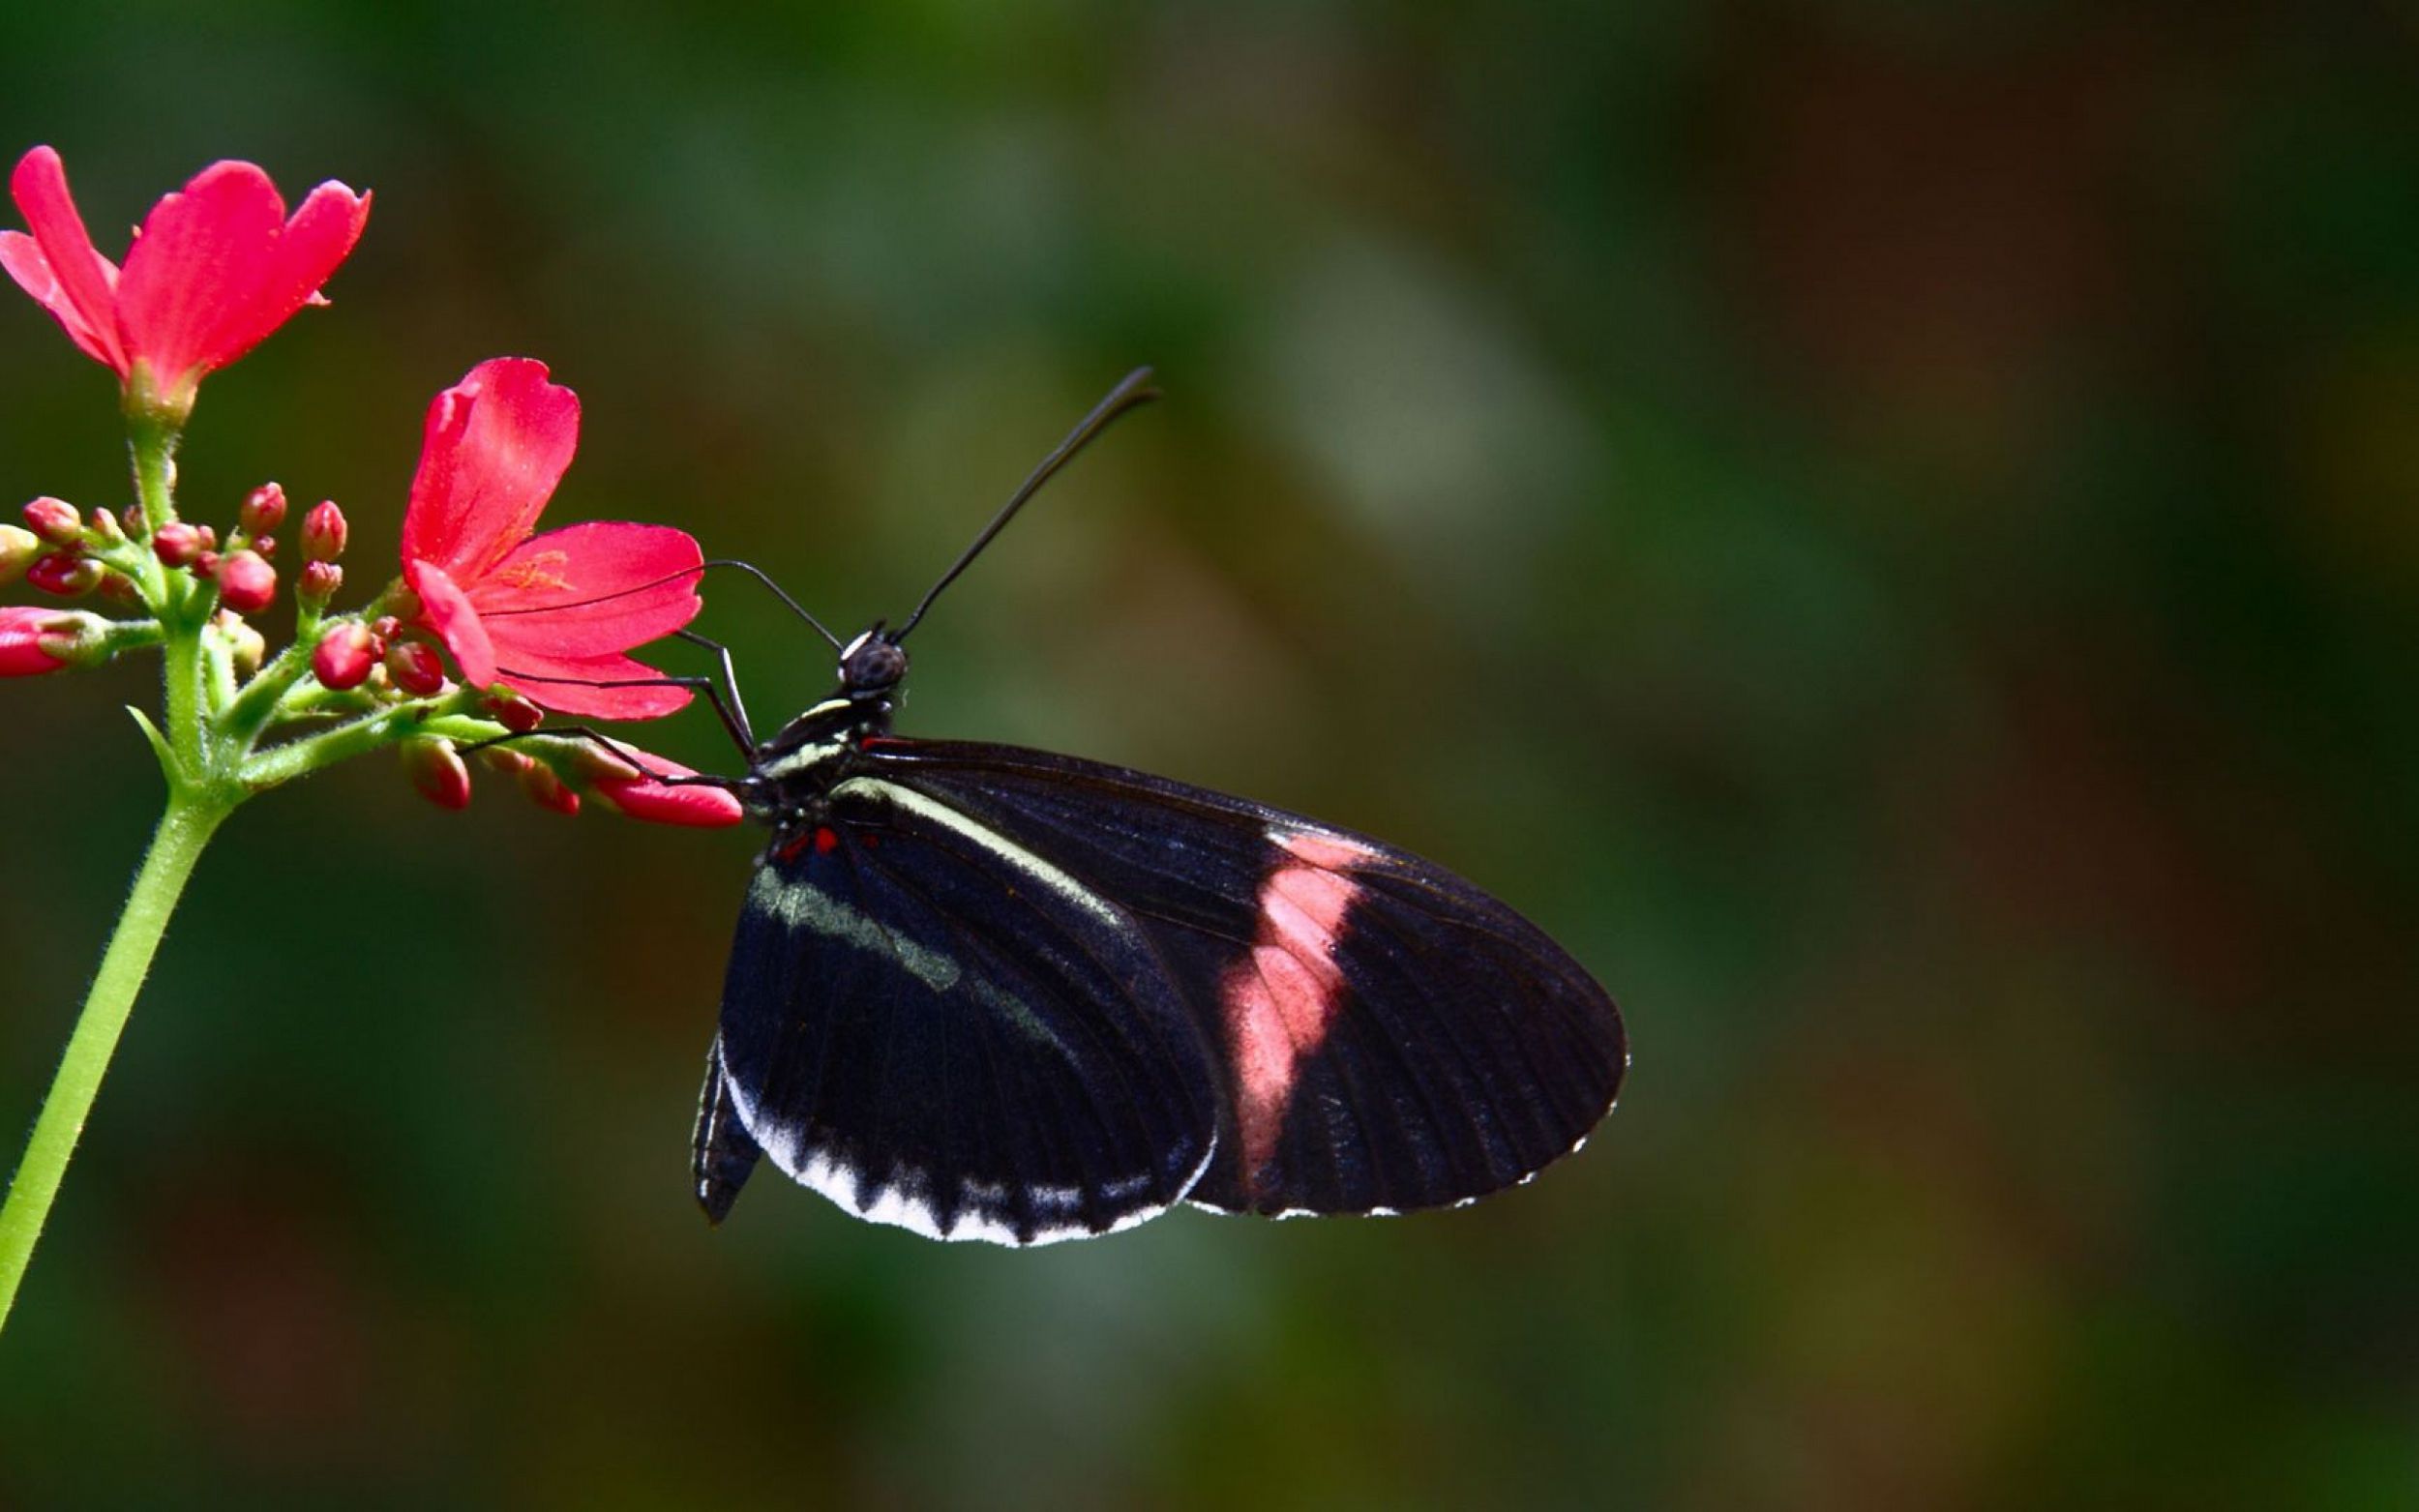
(1133, 390)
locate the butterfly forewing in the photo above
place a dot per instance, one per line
(938, 1028)
(1384, 1035)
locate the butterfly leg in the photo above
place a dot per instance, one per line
(619, 751)
(736, 717)
(735, 721)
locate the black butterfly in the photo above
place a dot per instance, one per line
(986, 992)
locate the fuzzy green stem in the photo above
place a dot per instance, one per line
(185, 828)
(263, 696)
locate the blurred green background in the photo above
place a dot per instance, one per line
(1889, 529)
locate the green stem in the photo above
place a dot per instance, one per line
(185, 828)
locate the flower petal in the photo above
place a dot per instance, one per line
(589, 589)
(563, 684)
(77, 285)
(496, 444)
(446, 609)
(303, 254)
(701, 806)
(196, 268)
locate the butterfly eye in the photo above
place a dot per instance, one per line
(872, 664)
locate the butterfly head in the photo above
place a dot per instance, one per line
(872, 664)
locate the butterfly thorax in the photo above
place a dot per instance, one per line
(811, 754)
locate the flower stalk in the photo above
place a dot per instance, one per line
(184, 830)
(219, 267)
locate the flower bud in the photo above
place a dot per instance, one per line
(514, 712)
(437, 771)
(177, 545)
(547, 790)
(642, 797)
(118, 589)
(266, 545)
(245, 645)
(104, 525)
(64, 574)
(323, 532)
(318, 582)
(505, 760)
(343, 655)
(415, 666)
(133, 520)
(247, 585)
(386, 627)
(17, 551)
(55, 520)
(209, 538)
(37, 640)
(206, 565)
(264, 510)
(592, 763)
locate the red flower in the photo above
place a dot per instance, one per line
(214, 270)
(529, 609)
(637, 797)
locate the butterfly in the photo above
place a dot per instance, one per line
(986, 992)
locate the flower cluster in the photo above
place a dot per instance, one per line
(531, 622)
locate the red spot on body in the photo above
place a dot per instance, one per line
(871, 842)
(826, 840)
(790, 848)
(1280, 998)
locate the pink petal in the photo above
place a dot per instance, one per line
(302, 257)
(446, 609)
(195, 268)
(643, 798)
(78, 286)
(589, 589)
(562, 683)
(22, 255)
(496, 444)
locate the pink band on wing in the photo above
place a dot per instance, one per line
(1280, 998)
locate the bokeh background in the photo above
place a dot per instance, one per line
(1889, 529)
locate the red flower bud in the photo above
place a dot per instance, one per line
(415, 666)
(177, 545)
(515, 712)
(38, 641)
(505, 760)
(206, 565)
(343, 657)
(640, 797)
(264, 510)
(547, 790)
(64, 574)
(104, 525)
(266, 545)
(17, 551)
(386, 627)
(319, 582)
(323, 532)
(55, 520)
(437, 771)
(209, 538)
(247, 585)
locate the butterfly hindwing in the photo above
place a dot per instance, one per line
(938, 1028)
(1386, 1037)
